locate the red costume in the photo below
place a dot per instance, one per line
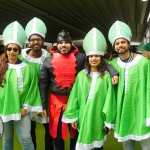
(58, 73)
(64, 72)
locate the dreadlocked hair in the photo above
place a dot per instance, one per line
(102, 67)
(3, 67)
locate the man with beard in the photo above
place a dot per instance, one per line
(34, 56)
(133, 95)
(59, 73)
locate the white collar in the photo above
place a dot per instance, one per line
(92, 74)
(130, 64)
(34, 60)
(17, 66)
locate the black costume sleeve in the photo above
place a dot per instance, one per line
(80, 61)
(112, 70)
(44, 83)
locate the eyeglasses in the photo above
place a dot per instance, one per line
(33, 40)
(14, 49)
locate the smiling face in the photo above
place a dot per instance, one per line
(64, 47)
(94, 61)
(121, 46)
(12, 53)
(36, 42)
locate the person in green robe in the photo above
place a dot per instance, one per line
(146, 52)
(91, 104)
(34, 56)
(19, 93)
(133, 94)
(140, 48)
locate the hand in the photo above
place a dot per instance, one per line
(43, 114)
(74, 125)
(107, 130)
(115, 79)
(23, 112)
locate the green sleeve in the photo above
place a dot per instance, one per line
(109, 109)
(147, 89)
(33, 95)
(71, 113)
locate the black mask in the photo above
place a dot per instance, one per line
(64, 36)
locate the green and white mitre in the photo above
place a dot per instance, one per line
(14, 33)
(94, 43)
(119, 30)
(147, 47)
(35, 26)
(140, 47)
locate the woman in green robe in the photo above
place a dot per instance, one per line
(19, 94)
(91, 104)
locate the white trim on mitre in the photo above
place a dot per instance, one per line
(95, 53)
(13, 42)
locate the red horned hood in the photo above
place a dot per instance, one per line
(54, 50)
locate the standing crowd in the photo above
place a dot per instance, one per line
(66, 90)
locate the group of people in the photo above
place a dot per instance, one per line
(66, 90)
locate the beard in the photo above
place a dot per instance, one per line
(36, 48)
(122, 52)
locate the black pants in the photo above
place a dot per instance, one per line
(48, 138)
(59, 142)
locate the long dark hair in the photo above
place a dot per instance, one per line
(4, 65)
(101, 67)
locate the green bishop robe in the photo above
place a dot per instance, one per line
(133, 99)
(92, 103)
(20, 90)
(36, 63)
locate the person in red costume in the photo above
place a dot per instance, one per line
(59, 73)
